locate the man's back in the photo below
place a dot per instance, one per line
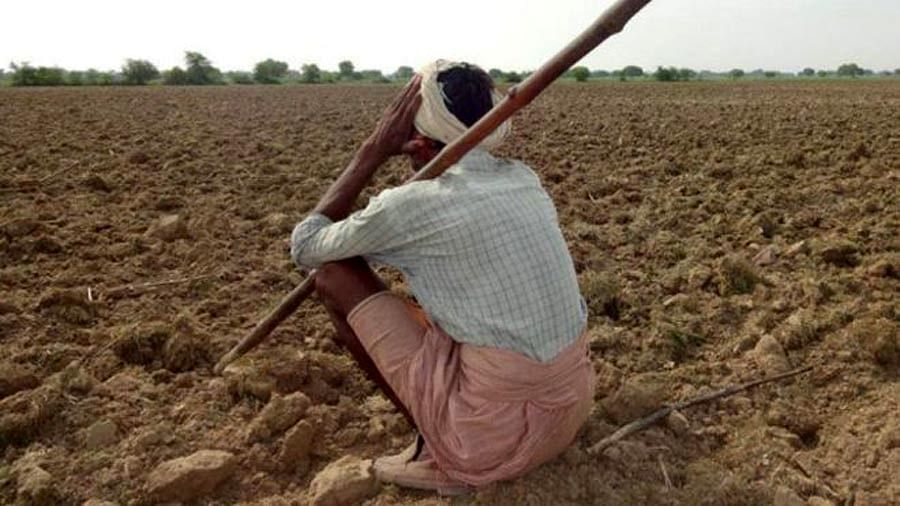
(482, 252)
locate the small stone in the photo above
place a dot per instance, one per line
(99, 502)
(798, 248)
(278, 415)
(190, 477)
(267, 372)
(766, 256)
(818, 501)
(36, 487)
(787, 497)
(678, 423)
(75, 379)
(840, 253)
(279, 222)
(890, 438)
(348, 480)
(785, 435)
(15, 378)
(169, 228)
(294, 453)
(138, 157)
(883, 268)
(632, 401)
(100, 434)
(770, 356)
(97, 183)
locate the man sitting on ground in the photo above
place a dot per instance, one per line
(491, 366)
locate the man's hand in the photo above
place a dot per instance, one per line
(396, 125)
(391, 133)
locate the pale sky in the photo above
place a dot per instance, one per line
(510, 34)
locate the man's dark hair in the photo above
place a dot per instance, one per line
(467, 92)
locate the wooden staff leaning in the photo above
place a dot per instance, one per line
(609, 23)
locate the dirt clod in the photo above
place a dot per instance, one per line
(277, 416)
(23, 414)
(36, 487)
(191, 477)
(346, 481)
(631, 401)
(15, 377)
(169, 228)
(294, 453)
(770, 356)
(787, 497)
(71, 306)
(101, 433)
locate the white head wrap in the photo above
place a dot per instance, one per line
(435, 121)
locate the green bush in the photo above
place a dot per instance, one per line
(347, 72)
(26, 75)
(405, 73)
(176, 76)
(512, 77)
(632, 71)
(138, 72)
(199, 70)
(736, 73)
(270, 71)
(808, 72)
(581, 74)
(850, 70)
(240, 77)
(310, 73)
(75, 78)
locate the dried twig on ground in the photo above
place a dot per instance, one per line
(656, 416)
(141, 288)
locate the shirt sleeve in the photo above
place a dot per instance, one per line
(372, 231)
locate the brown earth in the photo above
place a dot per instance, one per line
(721, 232)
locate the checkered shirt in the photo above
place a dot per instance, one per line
(480, 248)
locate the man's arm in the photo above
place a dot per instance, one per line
(392, 132)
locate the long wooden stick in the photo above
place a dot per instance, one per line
(611, 22)
(653, 418)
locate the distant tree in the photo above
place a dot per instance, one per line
(346, 70)
(632, 71)
(823, 73)
(885, 73)
(310, 73)
(26, 75)
(373, 76)
(240, 77)
(176, 76)
(808, 72)
(770, 74)
(138, 72)
(581, 74)
(496, 74)
(199, 70)
(600, 73)
(850, 70)
(664, 74)
(686, 74)
(75, 78)
(512, 77)
(897, 72)
(736, 73)
(404, 72)
(269, 71)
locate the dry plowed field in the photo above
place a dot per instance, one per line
(722, 232)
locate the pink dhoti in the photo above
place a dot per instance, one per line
(486, 414)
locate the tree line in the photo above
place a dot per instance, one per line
(199, 70)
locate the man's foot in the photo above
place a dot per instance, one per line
(414, 468)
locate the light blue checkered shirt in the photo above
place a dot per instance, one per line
(480, 247)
